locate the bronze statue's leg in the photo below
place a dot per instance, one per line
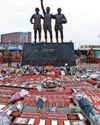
(45, 32)
(35, 35)
(61, 32)
(50, 31)
(39, 35)
(56, 31)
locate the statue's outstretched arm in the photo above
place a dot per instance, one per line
(42, 7)
(42, 17)
(53, 16)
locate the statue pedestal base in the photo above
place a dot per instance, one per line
(41, 54)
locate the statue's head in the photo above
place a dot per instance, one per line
(48, 9)
(37, 10)
(59, 10)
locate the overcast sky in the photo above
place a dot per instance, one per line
(83, 17)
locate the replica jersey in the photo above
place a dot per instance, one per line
(59, 18)
(47, 19)
(37, 19)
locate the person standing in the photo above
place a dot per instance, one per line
(37, 24)
(9, 59)
(0, 58)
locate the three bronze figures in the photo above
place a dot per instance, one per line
(47, 17)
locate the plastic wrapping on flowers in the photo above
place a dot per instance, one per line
(15, 97)
(4, 119)
(18, 95)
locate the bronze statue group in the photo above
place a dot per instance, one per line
(59, 18)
